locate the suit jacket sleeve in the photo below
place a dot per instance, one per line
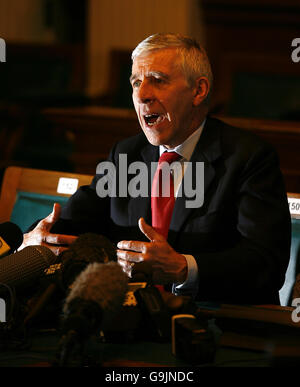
(252, 269)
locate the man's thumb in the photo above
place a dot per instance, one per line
(49, 221)
(149, 231)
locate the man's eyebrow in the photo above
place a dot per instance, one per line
(132, 77)
(158, 74)
(151, 73)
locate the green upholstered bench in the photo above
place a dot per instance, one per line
(286, 291)
(29, 194)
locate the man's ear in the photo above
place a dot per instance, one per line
(201, 90)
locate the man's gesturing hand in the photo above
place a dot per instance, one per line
(41, 234)
(168, 266)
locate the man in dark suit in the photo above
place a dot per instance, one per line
(232, 248)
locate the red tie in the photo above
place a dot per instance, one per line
(162, 206)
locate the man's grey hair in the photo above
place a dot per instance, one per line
(194, 60)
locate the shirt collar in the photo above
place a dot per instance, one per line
(185, 149)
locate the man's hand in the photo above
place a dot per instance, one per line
(168, 266)
(41, 234)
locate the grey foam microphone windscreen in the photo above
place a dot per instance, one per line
(105, 284)
(26, 265)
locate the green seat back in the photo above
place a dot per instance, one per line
(285, 292)
(30, 207)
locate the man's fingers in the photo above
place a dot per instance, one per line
(142, 247)
(149, 231)
(137, 246)
(130, 256)
(59, 239)
(126, 266)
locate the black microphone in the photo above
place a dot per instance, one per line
(19, 269)
(86, 249)
(96, 296)
(11, 238)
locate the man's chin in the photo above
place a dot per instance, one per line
(158, 142)
(155, 140)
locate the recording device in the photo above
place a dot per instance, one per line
(150, 314)
(164, 318)
(156, 316)
(192, 340)
(147, 311)
(11, 238)
(96, 296)
(144, 314)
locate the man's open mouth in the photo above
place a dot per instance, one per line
(153, 119)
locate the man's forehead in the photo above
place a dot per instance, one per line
(160, 62)
(159, 54)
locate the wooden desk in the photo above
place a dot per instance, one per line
(248, 336)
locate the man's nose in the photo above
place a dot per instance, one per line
(145, 93)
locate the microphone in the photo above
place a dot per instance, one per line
(11, 238)
(96, 296)
(19, 269)
(88, 248)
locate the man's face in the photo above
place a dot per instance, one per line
(162, 98)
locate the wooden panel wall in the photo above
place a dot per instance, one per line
(250, 37)
(94, 130)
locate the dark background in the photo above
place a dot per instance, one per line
(46, 114)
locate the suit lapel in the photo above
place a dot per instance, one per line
(207, 150)
(141, 206)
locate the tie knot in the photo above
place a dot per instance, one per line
(169, 157)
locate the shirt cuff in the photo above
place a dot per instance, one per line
(190, 285)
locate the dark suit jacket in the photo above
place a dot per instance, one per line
(241, 234)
